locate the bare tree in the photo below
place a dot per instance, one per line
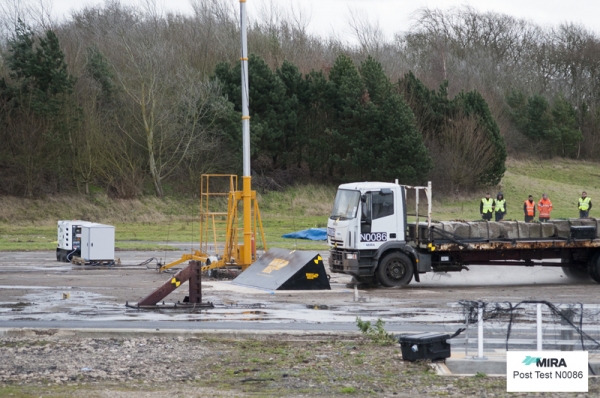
(577, 61)
(369, 34)
(460, 154)
(214, 34)
(35, 13)
(170, 104)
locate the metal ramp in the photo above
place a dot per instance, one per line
(191, 273)
(280, 269)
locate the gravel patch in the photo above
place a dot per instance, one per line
(212, 365)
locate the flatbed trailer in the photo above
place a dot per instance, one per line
(550, 252)
(370, 239)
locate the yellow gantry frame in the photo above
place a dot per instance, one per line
(220, 228)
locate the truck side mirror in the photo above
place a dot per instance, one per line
(365, 214)
(363, 198)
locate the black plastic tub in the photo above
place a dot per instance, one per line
(432, 346)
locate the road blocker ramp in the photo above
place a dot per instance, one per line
(280, 269)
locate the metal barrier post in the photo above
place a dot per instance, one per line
(539, 327)
(467, 338)
(480, 332)
(567, 314)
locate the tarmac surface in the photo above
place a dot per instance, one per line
(36, 291)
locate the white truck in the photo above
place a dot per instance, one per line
(370, 238)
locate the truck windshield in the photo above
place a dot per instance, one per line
(346, 204)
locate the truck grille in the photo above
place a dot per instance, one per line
(333, 242)
(336, 261)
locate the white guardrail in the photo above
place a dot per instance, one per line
(567, 340)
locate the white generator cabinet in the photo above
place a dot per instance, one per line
(69, 239)
(97, 242)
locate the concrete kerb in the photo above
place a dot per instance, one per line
(495, 365)
(470, 367)
(148, 333)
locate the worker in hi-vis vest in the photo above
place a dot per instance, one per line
(500, 206)
(529, 209)
(486, 207)
(544, 207)
(585, 205)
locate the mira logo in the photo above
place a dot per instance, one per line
(530, 360)
(545, 362)
(547, 371)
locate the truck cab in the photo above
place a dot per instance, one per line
(366, 233)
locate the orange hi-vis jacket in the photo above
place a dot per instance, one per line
(530, 207)
(544, 207)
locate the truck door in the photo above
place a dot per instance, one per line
(378, 222)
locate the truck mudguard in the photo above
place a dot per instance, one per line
(424, 264)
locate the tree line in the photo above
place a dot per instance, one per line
(132, 101)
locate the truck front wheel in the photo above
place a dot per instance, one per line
(395, 269)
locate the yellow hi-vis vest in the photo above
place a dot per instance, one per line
(500, 205)
(487, 205)
(584, 204)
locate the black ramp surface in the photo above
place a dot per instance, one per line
(280, 269)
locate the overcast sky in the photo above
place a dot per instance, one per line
(332, 16)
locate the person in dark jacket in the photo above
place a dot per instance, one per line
(529, 209)
(486, 207)
(500, 206)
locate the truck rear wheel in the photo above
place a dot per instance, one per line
(594, 268)
(577, 273)
(395, 269)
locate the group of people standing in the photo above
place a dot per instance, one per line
(497, 207)
(488, 206)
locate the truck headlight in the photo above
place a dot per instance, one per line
(351, 256)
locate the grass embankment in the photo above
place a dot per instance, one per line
(150, 223)
(30, 224)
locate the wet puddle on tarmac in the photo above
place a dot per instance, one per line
(63, 303)
(58, 305)
(43, 305)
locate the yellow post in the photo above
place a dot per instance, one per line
(247, 203)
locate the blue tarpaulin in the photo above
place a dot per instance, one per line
(312, 234)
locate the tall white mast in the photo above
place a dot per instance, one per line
(247, 184)
(245, 98)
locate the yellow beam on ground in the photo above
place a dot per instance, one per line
(184, 258)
